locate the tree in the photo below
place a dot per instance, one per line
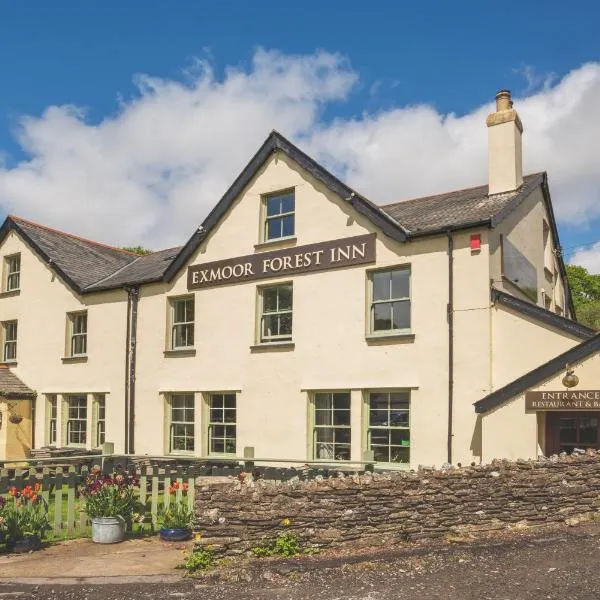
(585, 290)
(140, 250)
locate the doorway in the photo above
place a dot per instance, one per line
(566, 431)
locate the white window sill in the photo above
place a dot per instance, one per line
(80, 358)
(390, 338)
(191, 351)
(9, 293)
(284, 242)
(273, 346)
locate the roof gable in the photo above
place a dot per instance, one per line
(12, 387)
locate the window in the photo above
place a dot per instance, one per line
(389, 426)
(547, 241)
(331, 433)
(52, 419)
(222, 430)
(9, 334)
(390, 301)
(181, 437)
(182, 322)
(76, 420)
(13, 273)
(279, 215)
(100, 420)
(276, 313)
(78, 334)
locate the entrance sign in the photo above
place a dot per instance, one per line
(334, 254)
(563, 400)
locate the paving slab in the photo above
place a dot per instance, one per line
(82, 559)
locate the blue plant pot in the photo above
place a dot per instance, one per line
(175, 535)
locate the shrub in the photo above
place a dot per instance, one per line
(26, 515)
(285, 544)
(177, 515)
(200, 559)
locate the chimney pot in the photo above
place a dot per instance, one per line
(503, 100)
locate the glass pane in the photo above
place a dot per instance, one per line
(322, 417)
(379, 400)
(380, 437)
(273, 206)
(324, 435)
(567, 431)
(230, 415)
(324, 450)
(399, 455)
(270, 326)
(400, 437)
(401, 315)
(341, 417)
(398, 400)
(401, 283)
(270, 299)
(285, 325)
(381, 285)
(342, 435)
(287, 203)
(287, 225)
(341, 400)
(381, 453)
(216, 415)
(179, 311)
(217, 445)
(399, 418)
(219, 431)
(322, 401)
(274, 228)
(285, 297)
(229, 400)
(588, 430)
(216, 401)
(230, 446)
(382, 317)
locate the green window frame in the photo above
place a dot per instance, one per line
(76, 420)
(390, 303)
(100, 425)
(388, 426)
(332, 432)
(78, 323)
(182, 322)
(276, 314)
(9, 339)
(182, 424)
(52, 420)
(279, 215)
(13, 273)
(222, 423)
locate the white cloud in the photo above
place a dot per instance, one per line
(152, 171)
(588, 258)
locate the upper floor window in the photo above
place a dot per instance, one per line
(9, 341)
(279, 211)
(12, 267)
(276, 313)
(390, 301)
(77, 325)
(182, 322)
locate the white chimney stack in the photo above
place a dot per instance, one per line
(504, 140)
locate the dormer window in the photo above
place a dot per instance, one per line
(279, 211)
(13, 273)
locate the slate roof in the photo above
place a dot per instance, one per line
(12, 387)
(456, 210)
(539, 374)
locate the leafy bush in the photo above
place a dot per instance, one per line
(26, 515)
(177, 515)
(111, 495)
(285, 544)
(200, 559)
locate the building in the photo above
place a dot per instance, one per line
(304, 321)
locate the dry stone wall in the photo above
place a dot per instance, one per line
(236, 515)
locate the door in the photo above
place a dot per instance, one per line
(566, 431)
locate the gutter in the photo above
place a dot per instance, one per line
(450, 311)
(133, 294)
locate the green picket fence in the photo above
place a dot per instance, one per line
(60, 491)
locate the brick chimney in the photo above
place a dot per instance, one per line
(504, 142)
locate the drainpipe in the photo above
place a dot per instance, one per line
(450, 312)
(130, 356)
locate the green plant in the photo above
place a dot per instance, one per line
(111, 495)
(200, 559)
(285, 544)
(26, 515)
(178, 514)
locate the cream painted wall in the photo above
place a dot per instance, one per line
(330, 313)
(40, 309)
(509, 431)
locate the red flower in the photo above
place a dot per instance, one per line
(13, 492)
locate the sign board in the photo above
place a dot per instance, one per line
(563, 400)
(334, 254)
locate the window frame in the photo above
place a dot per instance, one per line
(210, 424)
(12, 274)
(99, 420)
(67, 399)
(173, 324)
(274, 339)
(371, 273)
(314, 427)
(170, 423)
(72, 335)
(265, 218)
(367, 433)
(51, 419)
(12, 342)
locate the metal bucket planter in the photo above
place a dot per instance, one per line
(28, 543)
(175, 535)
(108, 530)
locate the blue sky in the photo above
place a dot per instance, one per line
(450, 57)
